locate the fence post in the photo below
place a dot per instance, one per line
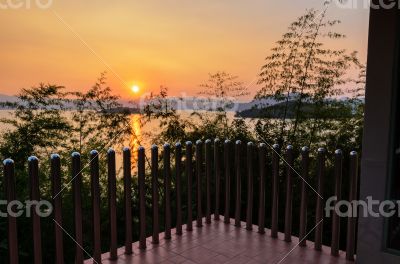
(77, 191)
(178, 186)
(351, 220)
(154, 188)
(128, 199)
(112, 203)
(217, 172)
(320, 191)
(199, 164)
(289, 193)
(33, 171)
(57, 204)
(208, 180)
(189, 176)
(167, 194)
(228, 165)
(9, 183)
(275, 190)
(95, 189)
(142, 197)
(338, 194)
(305, 154)
(238, 166)
(250, 186)
(262, 153)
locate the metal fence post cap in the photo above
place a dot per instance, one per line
(227, 141)
(94, 152)
(54, 156)
(216, 140)
(166, 145)
(75, 154)
(238, 142)
(321, 150)
(305, 149)
(188, 143)
(276, 146)
(263, 145)
(32, 158)
(126, 149)
(178, 144)
(208, 141)
(289, 147)
(110, 150)
(338, 152)
(141, 148)
(154, 147)
(250, 144)
(8, 162)
(199, 142)
(353, 153)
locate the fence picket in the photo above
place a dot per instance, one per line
(57, 205)
(127, 199)
(9, 180)
(95, 189)
(77, 194)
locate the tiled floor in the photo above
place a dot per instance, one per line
(224, 243)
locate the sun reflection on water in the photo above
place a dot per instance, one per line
(135, 139)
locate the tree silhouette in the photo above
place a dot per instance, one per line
(303, 69)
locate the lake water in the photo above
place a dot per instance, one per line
(144, 132)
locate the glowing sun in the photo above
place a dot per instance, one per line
(135, 89)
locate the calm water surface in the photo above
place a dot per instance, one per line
(143, 134)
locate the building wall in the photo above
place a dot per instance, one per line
(381, 79)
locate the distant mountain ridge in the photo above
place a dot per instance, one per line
(187, 103)
(7, 98)
(246, 109)
(200, 103)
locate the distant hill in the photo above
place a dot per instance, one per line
(337, 109)
(257, 108)
(7, 98)
(262, 103)
(4, 97)
(200, 103)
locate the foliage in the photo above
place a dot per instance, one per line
(302, 69)
(224, 89)
(46, 120)
(94, 121)
(221, 88)
(38, 125)
(301, 72)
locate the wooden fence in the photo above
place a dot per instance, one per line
(219, 162)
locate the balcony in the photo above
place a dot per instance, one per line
(206, 216)
(218, 242)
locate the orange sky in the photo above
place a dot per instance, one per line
(150, 43)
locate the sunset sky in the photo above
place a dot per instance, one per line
(151, 43)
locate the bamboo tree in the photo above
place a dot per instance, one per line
(301, 67)
(291, 42)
